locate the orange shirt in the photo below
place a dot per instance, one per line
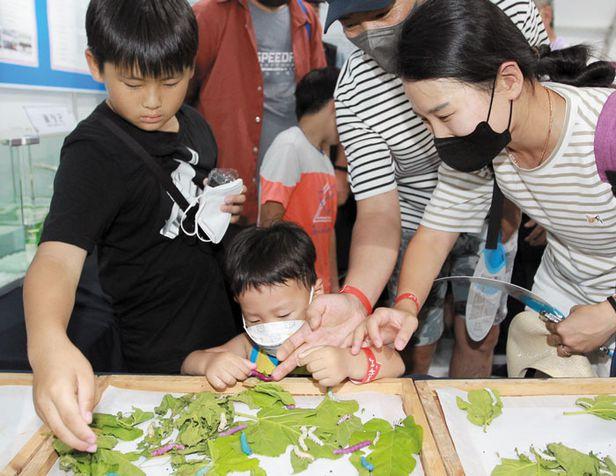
(230, 83)
(301, 178)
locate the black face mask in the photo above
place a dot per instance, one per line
(476, 150)
(273, 3)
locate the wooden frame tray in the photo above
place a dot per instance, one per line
(21, 459)
(431, 461)
(507, 388)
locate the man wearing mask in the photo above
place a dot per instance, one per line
(251, 55)
(393, 170)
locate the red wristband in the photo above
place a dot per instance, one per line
(359, 295)
(373, 368)
(409, 296)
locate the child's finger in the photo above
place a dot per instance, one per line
(308, 355)
(238, 372)
(228, 378)
(320, 375)
(247, 366)
(358, 338)
(217, 383)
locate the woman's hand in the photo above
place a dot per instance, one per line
(586, 329)
(234, 204)
(330, 320)
(537, 237)
(388, 326)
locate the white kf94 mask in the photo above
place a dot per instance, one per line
(209, 219)
(271, 335)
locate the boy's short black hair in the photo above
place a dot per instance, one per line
(315, 90)
(157, 38)
(270, 256)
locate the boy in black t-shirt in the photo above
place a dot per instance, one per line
(166, 288)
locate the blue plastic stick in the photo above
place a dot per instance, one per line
(245, 447)
(366, 464)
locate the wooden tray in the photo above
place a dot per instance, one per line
(21, 459)
(45, 458)
(507, 388)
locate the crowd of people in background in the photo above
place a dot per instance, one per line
(363, 180)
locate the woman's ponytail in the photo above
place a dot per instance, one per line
(571, 66)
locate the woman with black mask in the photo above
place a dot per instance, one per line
(477, 85)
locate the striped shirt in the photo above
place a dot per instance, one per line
(564, 194)
(387, 144)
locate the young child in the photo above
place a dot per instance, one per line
(272, 276)
(298, 182)
(167, 289)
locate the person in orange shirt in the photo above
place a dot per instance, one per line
(251, 55)
(298, 182)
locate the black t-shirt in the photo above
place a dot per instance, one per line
(167, 289)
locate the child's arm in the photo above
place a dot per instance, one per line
(223, 366)
(64, 385)
(271, 212)
(331, 365)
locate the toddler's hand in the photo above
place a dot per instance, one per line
(328, 365)
(225, 369)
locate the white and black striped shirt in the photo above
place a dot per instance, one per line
(386, 143)
(564, 194)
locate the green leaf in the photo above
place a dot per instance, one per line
(523, 466)
(482, 408)
(227, 457)
(264, 395)
(137, 417)
(175, 404)
(106, 442)
(276, 428)
(573, 462)
(610, 466)
(101, 463)
(115, 426)
(393, 453)
(602, 406)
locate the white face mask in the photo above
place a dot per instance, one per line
(271, 335)
(209, 218)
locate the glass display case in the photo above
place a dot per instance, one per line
(27, 170)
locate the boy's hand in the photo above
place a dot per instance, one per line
(64, 392)
(225, 369)
(234, 204)
(331, 365)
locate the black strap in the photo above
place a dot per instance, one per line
(496, 214)
(161, 174)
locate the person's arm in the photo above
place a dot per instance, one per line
(89, 189)
(375, 244)
(342, 176)
(423, 260)
(330, 366)
(64, 385)
(511, 221)
(459, 204)
(333, 264)
(271, 212)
